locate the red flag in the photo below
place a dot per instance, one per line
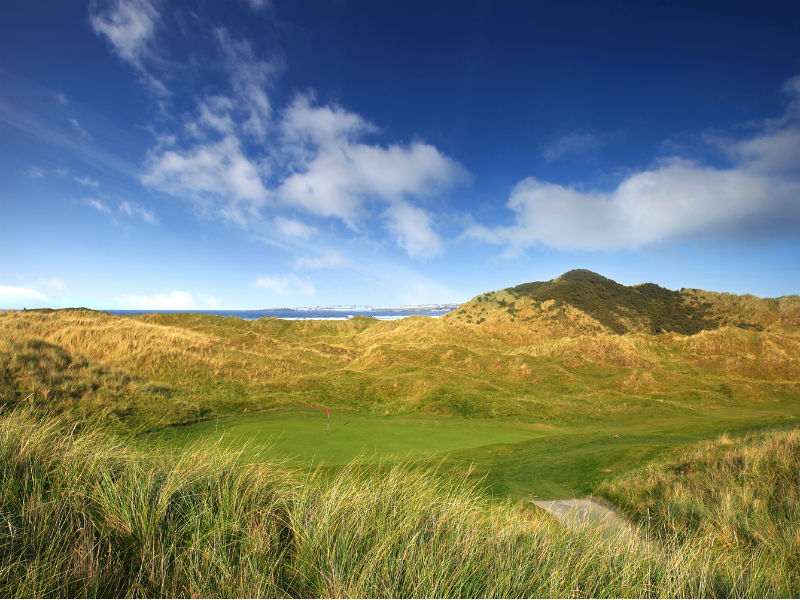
(329, 409)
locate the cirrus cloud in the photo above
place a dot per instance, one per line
(236, 158)
(327, 260)
(128, 25)
(285, 285)
(175, 300)
(132, 209)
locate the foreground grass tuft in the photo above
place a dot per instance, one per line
(739, 497)
(84, 515)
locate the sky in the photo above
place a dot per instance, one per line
(247, 154)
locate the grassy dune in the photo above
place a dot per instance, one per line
(600, 404)
(85, 515)
(580, 302)
(169, 369)
(168, 455)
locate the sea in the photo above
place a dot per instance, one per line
(296, 314)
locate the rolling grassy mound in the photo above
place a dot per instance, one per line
(622, 309)
(583, 301)
(536, 359)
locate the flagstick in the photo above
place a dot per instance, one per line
(328, 430)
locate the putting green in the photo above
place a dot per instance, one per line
(304, 437)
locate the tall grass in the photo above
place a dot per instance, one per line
(84, 515)
(739, 497)
(81, 514)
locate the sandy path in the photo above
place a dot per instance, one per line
(578, 512)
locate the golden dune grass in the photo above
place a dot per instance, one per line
(207, 365)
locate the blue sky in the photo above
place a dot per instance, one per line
(250, 154)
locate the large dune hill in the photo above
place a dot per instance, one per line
(583, 302)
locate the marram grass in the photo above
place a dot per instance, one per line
(159, 370)
(82, 514)
(739, 496)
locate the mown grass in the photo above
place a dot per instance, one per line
(85, 515)
(513, 457)
(570, 460)
(304, 437)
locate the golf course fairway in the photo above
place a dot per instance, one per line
(514, 458)
(304, 437)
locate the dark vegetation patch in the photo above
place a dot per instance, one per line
(656, 308)
(46, 376)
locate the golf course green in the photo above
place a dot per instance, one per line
(513, 457)
(310, 437)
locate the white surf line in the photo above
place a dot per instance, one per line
(347, 318)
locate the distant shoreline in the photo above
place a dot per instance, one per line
(306, 314)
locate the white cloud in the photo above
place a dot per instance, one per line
(417, 169)
(411, 227)
(34, 172)
(324, 189)
(215, 166)
(53, 282)
(775, 152)
(250, 77)
(674, 199)
(126, 208)
(315, 158)
(132, 209)
(571, 143)
(216, 174)
(79, 128)
(257, 5)
(175, 300)
(87, 181)
(61, 98)
(321, 125)
(791, 87)
(128, 25)
(336, 173)
(293, 228)
(11, 293)
(285, 285)
(327, 260)
(97, 205)
(214, 116)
